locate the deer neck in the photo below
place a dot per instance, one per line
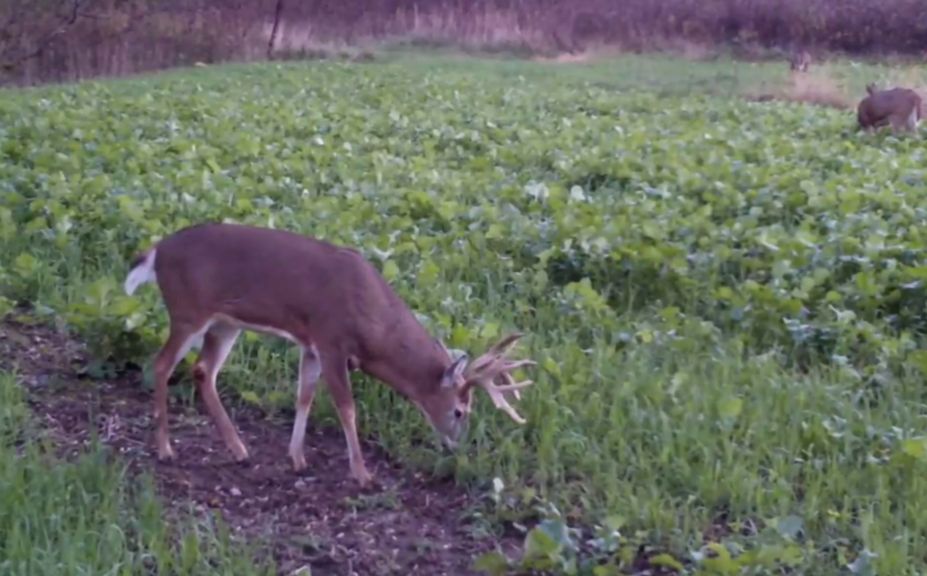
(408, 359)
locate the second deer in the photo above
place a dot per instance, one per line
(800, 61)
(898, 107)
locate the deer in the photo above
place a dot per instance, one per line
(900, 107)
(800, 61)
(218, 279)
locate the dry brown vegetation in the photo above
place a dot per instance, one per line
(818, 88)
(822, 86)
(55, 40)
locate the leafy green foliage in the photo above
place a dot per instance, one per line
(82, 517)
(726, 299)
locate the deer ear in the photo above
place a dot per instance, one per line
(452, 372)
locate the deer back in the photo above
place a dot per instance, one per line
(302, 287)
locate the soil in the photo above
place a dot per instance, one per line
(404, 524)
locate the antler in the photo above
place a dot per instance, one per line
(495, 365)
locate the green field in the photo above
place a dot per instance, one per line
(725, 298)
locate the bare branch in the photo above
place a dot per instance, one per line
(69, 20)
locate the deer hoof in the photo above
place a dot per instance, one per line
(299, 462)
(166, 453)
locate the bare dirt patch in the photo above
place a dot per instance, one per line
(406, 524)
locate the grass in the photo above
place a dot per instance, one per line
(654, 407)
(86, 517)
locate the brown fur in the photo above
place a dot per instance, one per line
(218, 279)
(898, 107)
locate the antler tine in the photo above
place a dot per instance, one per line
(512, 386)
(502, 347)
(500, 402)
(490, 360)
(509, 366)
(494, 364)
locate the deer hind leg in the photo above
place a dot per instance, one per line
(335, 372)
(310, 368)
(895, 122)
(181, 339)
(902, 122)
(912, 120)
(217, 344)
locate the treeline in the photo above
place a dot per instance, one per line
(42, 40)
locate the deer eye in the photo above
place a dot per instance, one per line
(458, 413)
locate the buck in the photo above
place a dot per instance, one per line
(219, 279)
(800, 61)
(900, 107)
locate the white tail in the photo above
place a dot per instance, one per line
(913, 120)
(142, 271)
(219, 279)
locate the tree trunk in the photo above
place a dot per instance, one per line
(278, 10)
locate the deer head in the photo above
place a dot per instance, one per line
(448, 410)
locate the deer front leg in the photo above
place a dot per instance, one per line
(310, 368)
(335, 371)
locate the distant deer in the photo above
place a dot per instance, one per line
(219, 279)
(900, 107)
(800, 61)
